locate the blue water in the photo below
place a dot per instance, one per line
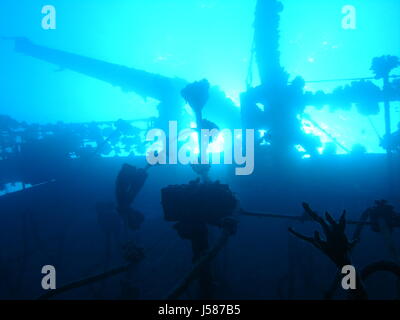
(51, 184)
(192, 40)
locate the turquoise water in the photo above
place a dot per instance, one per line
(191, 39)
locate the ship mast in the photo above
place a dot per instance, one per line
(266, 41)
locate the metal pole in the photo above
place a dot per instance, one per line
(288, 217)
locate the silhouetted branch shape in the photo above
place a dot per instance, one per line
(336, 246)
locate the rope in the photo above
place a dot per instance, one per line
(373, 127)
(85, 281)
(348, 79)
